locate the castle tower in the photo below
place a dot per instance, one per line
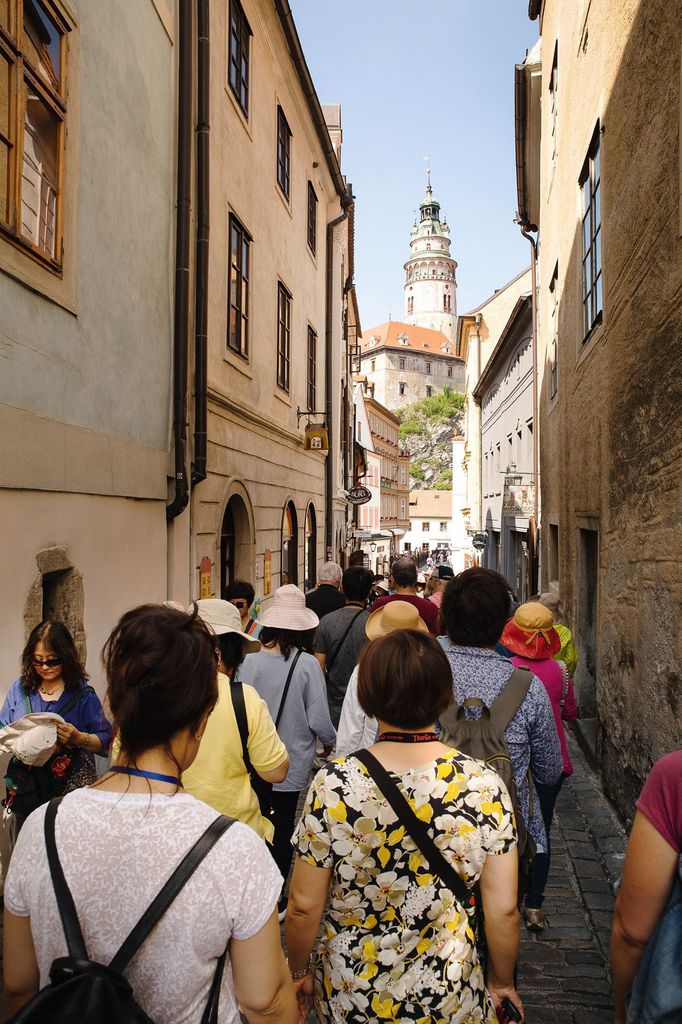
(430, 282)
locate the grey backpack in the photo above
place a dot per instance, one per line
(484, 738)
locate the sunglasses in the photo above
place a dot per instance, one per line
(240, 604)
(46, 662)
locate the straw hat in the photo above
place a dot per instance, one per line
(221, 617)
(288, 611)
(392, 616)
(531, 633)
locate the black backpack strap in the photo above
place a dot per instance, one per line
(511, 697)
(298, 654)
(415, 828)
(74, 700)
(175, 883)
(67, 909)
(342, 641)
(239, 705)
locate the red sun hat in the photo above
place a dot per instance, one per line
(531, 633)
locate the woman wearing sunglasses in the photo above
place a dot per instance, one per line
(52, 678)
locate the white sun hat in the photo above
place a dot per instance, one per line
(288, 611)
(222, 617)
(33, 738)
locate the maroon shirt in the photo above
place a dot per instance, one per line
(661, 798)
(427, 610)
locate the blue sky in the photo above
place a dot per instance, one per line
(417, 78)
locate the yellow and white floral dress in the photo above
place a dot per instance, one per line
(396, 946)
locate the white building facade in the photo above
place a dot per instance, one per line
(430, 272)
(430, 523)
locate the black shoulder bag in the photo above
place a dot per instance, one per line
(261, 788)
(335, 652)
(419, 833)
(82, 991)
(30, 786)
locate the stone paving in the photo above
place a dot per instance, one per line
(563, 971)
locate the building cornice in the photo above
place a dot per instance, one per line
(523, 306)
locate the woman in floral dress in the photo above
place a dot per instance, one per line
(396, 945)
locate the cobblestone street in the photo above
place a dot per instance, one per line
(563, 973)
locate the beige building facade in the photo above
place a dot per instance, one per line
(281, 314)
(603, 187)
(407, 363)
(86, 342)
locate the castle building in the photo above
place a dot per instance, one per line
(413, 359)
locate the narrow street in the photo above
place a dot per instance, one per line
(563, 973)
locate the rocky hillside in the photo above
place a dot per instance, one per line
(426, 428)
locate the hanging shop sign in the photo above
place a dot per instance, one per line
(316, 437)
(359, 495)
(267, 572)
(480, 541)
(518, 499)
(205, 578)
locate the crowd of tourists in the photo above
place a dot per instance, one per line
(401, 741)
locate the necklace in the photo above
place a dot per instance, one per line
(409, 737)
(124, 769)
(48, 693)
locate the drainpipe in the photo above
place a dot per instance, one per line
(479, 318)
(328, 384)
(182, 233)
(201, 257)
(534, 350)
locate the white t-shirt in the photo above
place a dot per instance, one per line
(117, 852)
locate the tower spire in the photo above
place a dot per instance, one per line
(430, 271)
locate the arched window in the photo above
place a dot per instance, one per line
(235, 541)
(289, 563)
(310, 549)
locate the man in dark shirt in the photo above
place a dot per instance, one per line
(404, 575)
(326, 597)
(341, 637)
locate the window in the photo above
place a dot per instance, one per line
(410, 303)
(590, 186)
(401, 364)
(283, 152)
(32, 116)
(428, 367)
(449, 371)
(553, 345)
(240, 43)
(443, 526)
(425, 527)
(373, 365)
(238, 312)
(403, 389)
(429, 391)
(447, 303)
(402, 508)
(553, 98)
(553, 552)
(312, 219)
(283, 336)
(312, 368)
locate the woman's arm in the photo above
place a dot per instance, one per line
(569, 712)
(307, 895)
(262, 983)
(499, 886)
(352, 720)
(648, 874)
(22, 978)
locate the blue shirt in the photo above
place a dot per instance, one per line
(531, 736)
(87, 715)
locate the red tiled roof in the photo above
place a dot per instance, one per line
(419, 339)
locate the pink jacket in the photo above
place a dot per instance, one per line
(551, 674)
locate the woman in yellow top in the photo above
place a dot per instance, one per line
(218, 775)
(396, 943)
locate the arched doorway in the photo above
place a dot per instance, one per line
(289, 562)
(235, 543)
(310, 548)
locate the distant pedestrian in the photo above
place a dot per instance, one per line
(219, 775)
(646, 941)
(326, 597)
(404, 575)
(304, 717)
(567, 651)
(119, 841)
(475, 609)
(241, 594)
(440, 577)
(356, 729)
(340, 637)
(533, 641)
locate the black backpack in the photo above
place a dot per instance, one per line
(82, 991)
(484, 739)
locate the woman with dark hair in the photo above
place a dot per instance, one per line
(292, 684)
(120, 840)
(241, 594)
(51, 677)
(398, 935)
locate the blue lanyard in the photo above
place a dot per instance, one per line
(125, 770)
